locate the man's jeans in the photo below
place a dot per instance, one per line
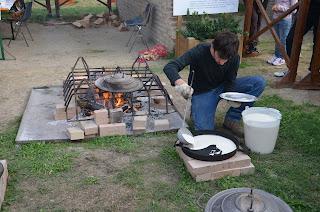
(282, 29)
(204, 105)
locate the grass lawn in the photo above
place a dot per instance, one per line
(69, 12)
(292, 172)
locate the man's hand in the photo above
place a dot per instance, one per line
(184, 89)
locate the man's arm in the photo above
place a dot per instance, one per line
(232, 73)
(173, 68)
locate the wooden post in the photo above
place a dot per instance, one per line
(289, 79)
(312, 80)
(57, 5)
(247, 23)
(178, 40)
(48, 6)
(273, 32)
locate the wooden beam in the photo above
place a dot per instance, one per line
(273, 32)
(289, 79)
(273, 22)
(247, 23)
(312, 80)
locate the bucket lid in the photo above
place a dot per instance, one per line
(262, 110)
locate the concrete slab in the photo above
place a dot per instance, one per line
(38, 123)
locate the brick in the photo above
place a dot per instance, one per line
(77, 24)
(85, 23)
(112, 129)
(75, 133)
(99, 21)
(59, 116)
(60, 108)
(100, 15)
(114, 17)
(140, 121)
(89, 127)
(138, 130)
(3, 181)
(116, 115)
(198, 167)
(88, 17)
(115, 23)
(60, 113)
(161, 125)
(247, 170)
(101, 116)
(228, 172)
(141, 113)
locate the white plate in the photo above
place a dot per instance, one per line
(238, 97)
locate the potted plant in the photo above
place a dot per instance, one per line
(203, 28)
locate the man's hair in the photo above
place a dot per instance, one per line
(226, 44)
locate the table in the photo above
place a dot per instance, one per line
(58, 4)
(5, 6)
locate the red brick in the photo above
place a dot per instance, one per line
(112, 129)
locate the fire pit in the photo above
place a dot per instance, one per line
(99, 102)
(128, 91)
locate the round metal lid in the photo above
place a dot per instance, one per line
(244, 200)
(118, 82)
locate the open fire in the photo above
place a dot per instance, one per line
(105, 98)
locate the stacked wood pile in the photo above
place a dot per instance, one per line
(97, 20)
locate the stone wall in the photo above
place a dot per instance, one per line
(162, 26)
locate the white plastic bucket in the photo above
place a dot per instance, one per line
(261, 127)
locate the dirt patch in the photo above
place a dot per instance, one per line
(93, 182)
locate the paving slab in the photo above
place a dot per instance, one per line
(38, 123)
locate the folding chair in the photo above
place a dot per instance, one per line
(23, 22)
(139, 23)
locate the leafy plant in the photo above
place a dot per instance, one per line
(206, 26)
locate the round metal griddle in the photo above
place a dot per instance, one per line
(238, 97)
(244, 200)
(118, 82)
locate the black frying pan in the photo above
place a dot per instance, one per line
(211, 152)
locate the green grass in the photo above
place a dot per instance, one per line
(91, 180)
(291, 172)
(69, 12)
(122, 144)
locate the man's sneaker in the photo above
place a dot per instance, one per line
(234, 126)
(278, 62)
(271, 60)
